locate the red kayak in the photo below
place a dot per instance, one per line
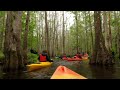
(63, 72)
(64, 58)
(72, 59)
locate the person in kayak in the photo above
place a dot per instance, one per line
(78, 55)
(43, 57)
(64, 57)
(81, 55)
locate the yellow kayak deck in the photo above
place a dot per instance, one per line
(32, 67)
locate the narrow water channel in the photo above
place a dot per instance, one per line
(81, 67)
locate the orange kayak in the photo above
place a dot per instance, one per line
(84, 58)
(63, 72)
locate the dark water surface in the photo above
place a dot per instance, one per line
(81, 67)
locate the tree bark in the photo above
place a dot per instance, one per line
(47, 33)
(56, 40)
(110, 35)
(101, 55)
(12, 46)
(63, 35)
(118, 36)
(107, 30)
(105, 26)
(115, 28)
(25, 41)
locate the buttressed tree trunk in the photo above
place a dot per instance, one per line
(100, 54)
(105, 24)
(110, 34)
(107, 29)
(12, 45)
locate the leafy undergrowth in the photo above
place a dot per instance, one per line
(1, 56)
(32, 58)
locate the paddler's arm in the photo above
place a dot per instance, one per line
(48, 58)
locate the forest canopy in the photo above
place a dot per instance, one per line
(58, 32)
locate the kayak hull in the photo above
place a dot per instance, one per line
(63, 72)
(84, 58)
(72, 59)
(32, 67)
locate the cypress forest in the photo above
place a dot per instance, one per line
(26, 35)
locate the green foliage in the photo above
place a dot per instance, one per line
(2, 16)
(116, 56)
(23, 20)
(32, 30)
(32, 58)
(2, 13)
(1, 55)
(32, 26)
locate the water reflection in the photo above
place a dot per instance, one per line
(14, 75)
(81, 67)
(102, 72)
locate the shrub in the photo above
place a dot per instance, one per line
(116, 56)
(2, 56)
(32, 58)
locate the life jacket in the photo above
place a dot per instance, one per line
(64, 56)
(42, 58)
(75, 57)
(80, 56)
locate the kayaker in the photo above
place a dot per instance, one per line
(64, 56)
(77, 55)
(44, 57)
(85, 54)
(80, 55)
